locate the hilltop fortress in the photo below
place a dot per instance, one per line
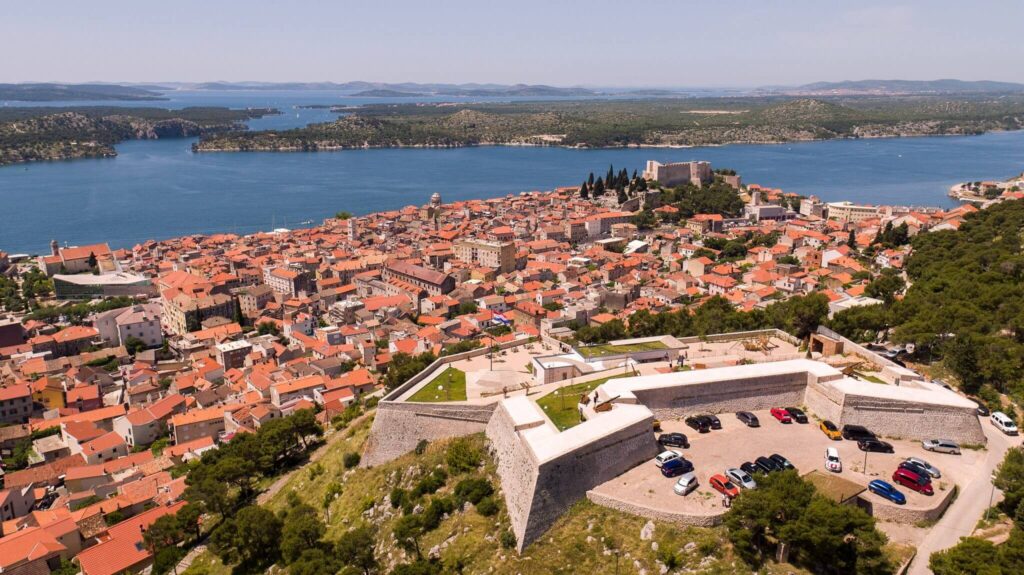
(544, 470)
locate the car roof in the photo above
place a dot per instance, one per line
(831, 451)
(880, 483)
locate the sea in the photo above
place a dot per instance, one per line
(158, 189)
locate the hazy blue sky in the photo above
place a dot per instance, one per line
(595, 42)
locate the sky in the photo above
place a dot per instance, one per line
(682, 43)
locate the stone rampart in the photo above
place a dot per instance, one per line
(681, 519)
(723, 396)
(399, 426)
(885, 511)
(908, 420)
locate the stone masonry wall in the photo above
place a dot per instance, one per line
(398, 427)
(515, 466)
(824, 401)
(885, 511)
(913, 421)
(681, 519)
(723, 396)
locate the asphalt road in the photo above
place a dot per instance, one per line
(972, 501)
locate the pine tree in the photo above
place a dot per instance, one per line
(590, 180)
(598, 188)
(584, 192)
(852, 240)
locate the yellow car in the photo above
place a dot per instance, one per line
(830, 429)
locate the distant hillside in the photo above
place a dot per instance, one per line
(385, 93)
(407, 88)
(75, 92)
(911, 87)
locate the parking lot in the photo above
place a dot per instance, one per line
(803, 444)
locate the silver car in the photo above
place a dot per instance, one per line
(686, 483)
(741, 478)
(931, 469)
(941, 446)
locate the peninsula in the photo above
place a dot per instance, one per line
(36, 134)
(617, 123)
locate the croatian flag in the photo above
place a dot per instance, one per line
(501, 319)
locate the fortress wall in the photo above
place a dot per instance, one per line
(681, 519)
(399, 426)
(566, 479)
(516, 467)
(722, 396)
(906, 420)
(885, 511)
(824, 401)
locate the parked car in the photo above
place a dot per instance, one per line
(781, 462)
(832, 462)
(875, 445)
(698, 423)
(1003, 423)
(722, 485)
(715, 422)
(886, 490)
(857, 432)
(830, 429)
(928, 467)
(741, 478)
(982, 410)
(750, 468)
(686, 483)
(667, 455)
(677, 466)
(782, 415)
(748, 419)
(911, 480)
(797, 414)
(941, 446)
(766, 465)
(673, 440)
(911, 466)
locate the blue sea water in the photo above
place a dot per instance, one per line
(160, 189)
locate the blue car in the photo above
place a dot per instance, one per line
(677, 466)
(887, 491)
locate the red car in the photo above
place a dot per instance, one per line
(782, 415)
(911, 480)
(722, 485)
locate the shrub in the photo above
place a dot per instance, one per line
(436, 511)
(421, 447)
(462, 456)
(398, 497)
(508, 540)
(430, 484)
(350, 460)
(473, 490)
(488, 506)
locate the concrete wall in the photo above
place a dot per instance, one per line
(399, 426)
(722, 396)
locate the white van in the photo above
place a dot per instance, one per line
(1003, 423)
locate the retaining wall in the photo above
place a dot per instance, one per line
(723, 396)
(905, 420)
(681, 519)
(901, 514)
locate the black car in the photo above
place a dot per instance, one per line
(715, 422)
(982, 410)
(750, 468)
(781, 462)
(699, 423)
(748, 419)
(766, 465)
(797, 414)
(673, 440)
(676, 467)
(872, 444)
(918, 469)
(856, 433)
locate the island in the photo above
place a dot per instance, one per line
(49, 92)
(622, 123)
(37, 134)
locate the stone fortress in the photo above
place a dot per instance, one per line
(543, 471)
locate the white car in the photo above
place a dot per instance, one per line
(931, 469)
(1003, 423)
(667, 455)
(741, 478)
(686, 483)
(832, 462)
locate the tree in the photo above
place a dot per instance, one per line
(302, 530)
(972, 556)
(584, 191)
(164, 532)
(1010, 480)
(343, 215)
(407, 532)
(315, 562)
(134, 345)
(250, 537)
(93, 263)
(356, 548)
(462, 456)
(851, 240)
(961, 358)
(886, 286)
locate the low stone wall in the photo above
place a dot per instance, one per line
(399, 426)
(681, 519)
(515, 466)
(886, 511)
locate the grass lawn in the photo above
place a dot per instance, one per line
(452, 380)
(871, 378)
(604, 349)
(563, 412)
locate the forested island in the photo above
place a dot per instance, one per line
(667, 122)
(37, 134)
(49, 92)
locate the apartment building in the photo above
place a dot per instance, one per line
(492, 254)
(432, 281)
